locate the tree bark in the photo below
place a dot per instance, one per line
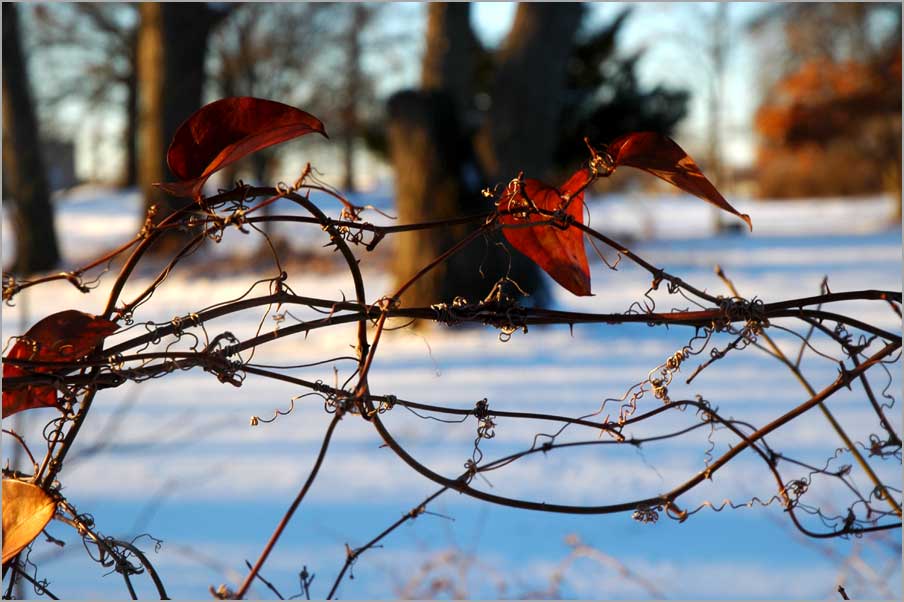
(350, 123)
(520, 130)
(130, 175)
(437, 173)
(171, 51)
(151, 67)
(23, 167)
(449, 54)
(428, 154)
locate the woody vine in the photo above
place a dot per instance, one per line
(68, 359)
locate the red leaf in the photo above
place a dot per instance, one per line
(559, 252)
(662, 157)
(227, 130)
(61, 337)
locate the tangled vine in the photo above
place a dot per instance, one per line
(148, 350)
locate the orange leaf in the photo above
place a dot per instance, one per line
(26, 511)
(662, 157)
(559, 252)
(61, 337)
(227, 130)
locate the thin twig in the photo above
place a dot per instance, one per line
(353, 554)
(291, 511)
(269, 585)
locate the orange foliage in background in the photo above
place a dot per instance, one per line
(832, 127)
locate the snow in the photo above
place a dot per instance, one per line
(178, 459)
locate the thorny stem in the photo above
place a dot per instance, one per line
(852, 448)
(40, 588)
(269, 585)
(843, 380)
(379, 230)
(362, 313)
(71, 276)
(474, 235)
(52, 465)
(361, 391)
(528, 316)
(657, 273)
(894, 439)
(461, 486)
(22, 443)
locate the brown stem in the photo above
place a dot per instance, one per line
(836, 426)
(291, 511)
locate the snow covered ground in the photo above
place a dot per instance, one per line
(178, 459)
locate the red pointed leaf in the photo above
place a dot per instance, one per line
(662, 157)
(60, 337)
(559, 252)
(227, 130)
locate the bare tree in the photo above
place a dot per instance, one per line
(307, 55)
(360, 14)
(172, 48)
(450, 55)
(23, 168)
(91, 50)
(274, 51)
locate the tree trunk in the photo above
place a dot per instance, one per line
(23, 168)
(153, 144)
(431, 156)
(130, 176)
(428, 156)
(171, 50)
(350, 123)
(449, 54)
(260, 166)
(520, 130)
(892, 175)
(186, 27)
(718, 50)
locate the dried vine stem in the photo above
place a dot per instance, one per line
(133, 360)
(243, 589)
(353, 554)
(836, 426)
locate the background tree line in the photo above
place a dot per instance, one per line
(830, 119)
(829, 122)
(518, 108)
